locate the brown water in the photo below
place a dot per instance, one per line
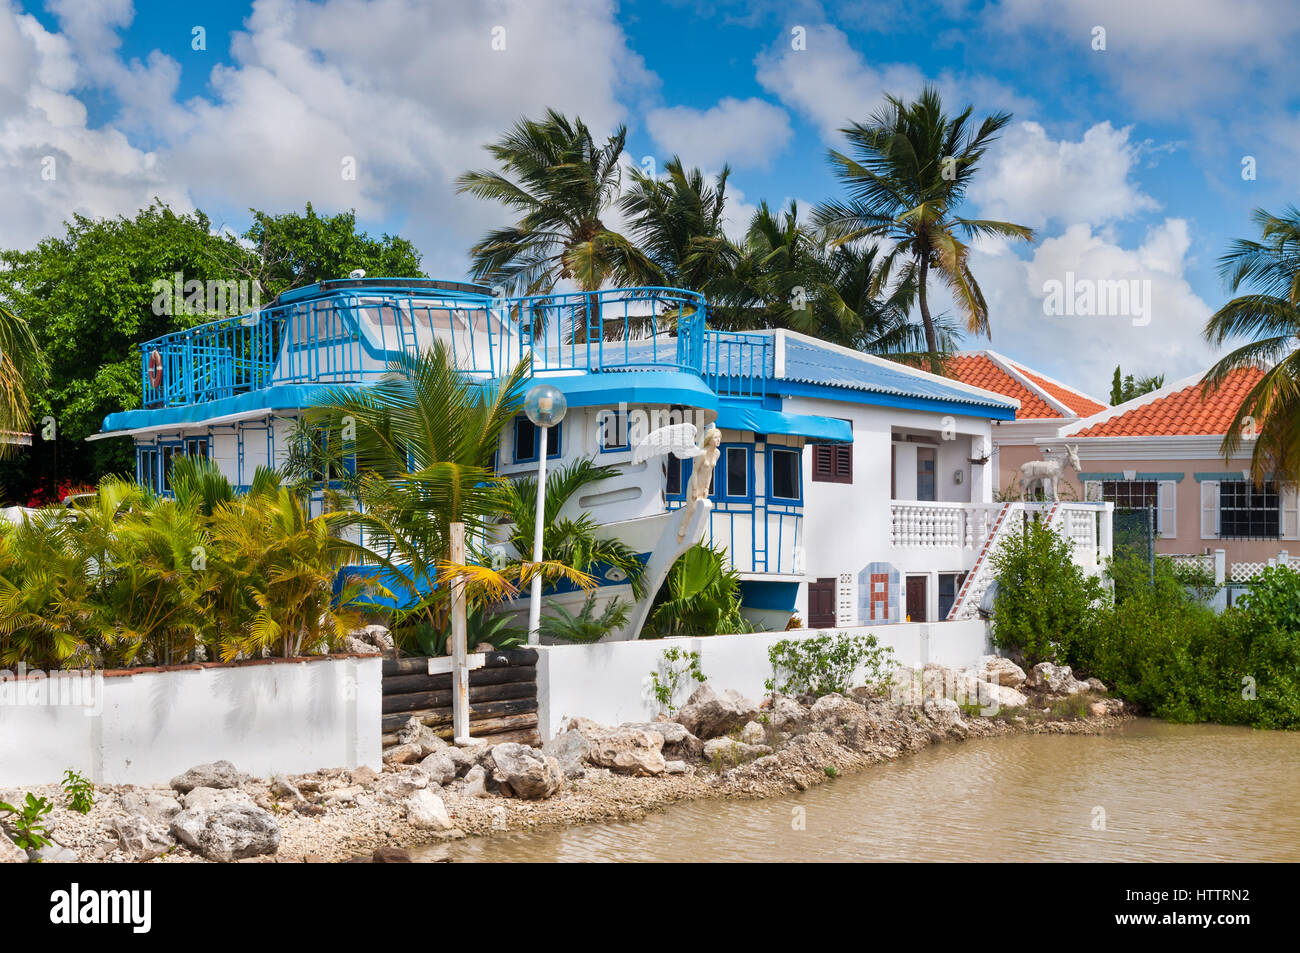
(1168, 792)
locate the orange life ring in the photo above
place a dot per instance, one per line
(155, 368)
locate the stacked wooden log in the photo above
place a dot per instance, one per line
(502, 697)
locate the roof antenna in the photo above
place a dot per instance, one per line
(357, 273)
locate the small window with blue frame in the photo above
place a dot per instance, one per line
(784, 469)
(528, 441)
(612, 433)
(737, 482)
(678, 474)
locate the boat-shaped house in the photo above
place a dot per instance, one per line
(849, 490)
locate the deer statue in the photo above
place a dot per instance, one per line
(1047, 472)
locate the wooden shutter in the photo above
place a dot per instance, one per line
(1210, 509)
(1290, 522)
(823, 462)
(843, 463)
(1167, 524)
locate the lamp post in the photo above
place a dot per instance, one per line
(545, 406)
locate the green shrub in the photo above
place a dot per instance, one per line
(825, 664)
(29, 828)
(700, 597)
(586, 627)
(79, 791)
(675, 664)
(1044, 600)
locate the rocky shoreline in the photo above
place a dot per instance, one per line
(717, 745)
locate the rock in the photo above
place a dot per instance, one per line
(160, 808)
(357, 647)
(570, 749)
(404, 783)
(728, 752)
(218, 774)
(1000, 671)
(784, 713)
(54, 853)
(364, 775)
(283, 788)
(415, 732)
(843, 720)
(469, 756)
(440, 768)
(308, 785)
(1054, 680)
(141, 838)
(403, 754)
(525, 771)
(227, 833)
(390, 855)
(485, 647)
(476, 782)
(753, 733)
(1097, 709)
(991, 694)
(707, 714)
(425, 810)
(675, 767)
(208, 799)
(629, 751)
(674, 732)
(344, 795)
(11, 853)
(1097, 685)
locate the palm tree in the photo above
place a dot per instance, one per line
(562, 185)
(20, 368)
(1270, 314)
(906, 175)
(677, 221)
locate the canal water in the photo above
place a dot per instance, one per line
(1150, 791)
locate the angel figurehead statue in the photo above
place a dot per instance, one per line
(683, 441)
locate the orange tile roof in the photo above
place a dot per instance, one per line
(1182, 413)
(978, 370)
(1083, 406)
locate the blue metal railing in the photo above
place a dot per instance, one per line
(736, 364)
(353, 335)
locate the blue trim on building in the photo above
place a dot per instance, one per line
(934, 405)
(720, 473)
(611, 388)
(1175, 477)
(279, 397)
(748, 416)
(772, 596)
(1220, 476)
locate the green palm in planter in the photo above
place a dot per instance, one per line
(700, 597)
(586, 627)
(20, 367)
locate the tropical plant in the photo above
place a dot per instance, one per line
(572, 541)
(906, 173)
(563, 185)
(701, 596)
(482, 626)
(1043, 597)
(1269, 313)
(79, 791)
(20, 367)
(1127, 387)
(29, 830)
(824, 664)
(585, 627)
(675, 664)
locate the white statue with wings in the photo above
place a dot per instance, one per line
(683, 441)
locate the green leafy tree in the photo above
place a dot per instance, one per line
(1043, 597)
(20, 368)
(906, 174)
(1269, 314)
(295, 249)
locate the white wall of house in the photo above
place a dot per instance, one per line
(847, 527)
(610, 682)
(147, 727)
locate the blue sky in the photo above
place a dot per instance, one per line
(1127, 159)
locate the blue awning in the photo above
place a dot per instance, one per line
(758, 420)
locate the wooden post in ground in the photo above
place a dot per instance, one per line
(459, 652)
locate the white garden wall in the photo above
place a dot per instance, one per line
(610, 682)
(146, 727)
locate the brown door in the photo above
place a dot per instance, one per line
(821, 604)
(916, 600)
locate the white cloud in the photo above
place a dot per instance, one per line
(743, 132)
(1083, 350)
(832, 84)
(1168, 54)
(1030, 178)
(412, 90)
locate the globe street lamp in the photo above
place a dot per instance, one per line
(545, 407)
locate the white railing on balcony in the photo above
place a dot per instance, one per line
(920, 525)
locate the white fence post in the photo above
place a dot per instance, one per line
(1220, 566)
